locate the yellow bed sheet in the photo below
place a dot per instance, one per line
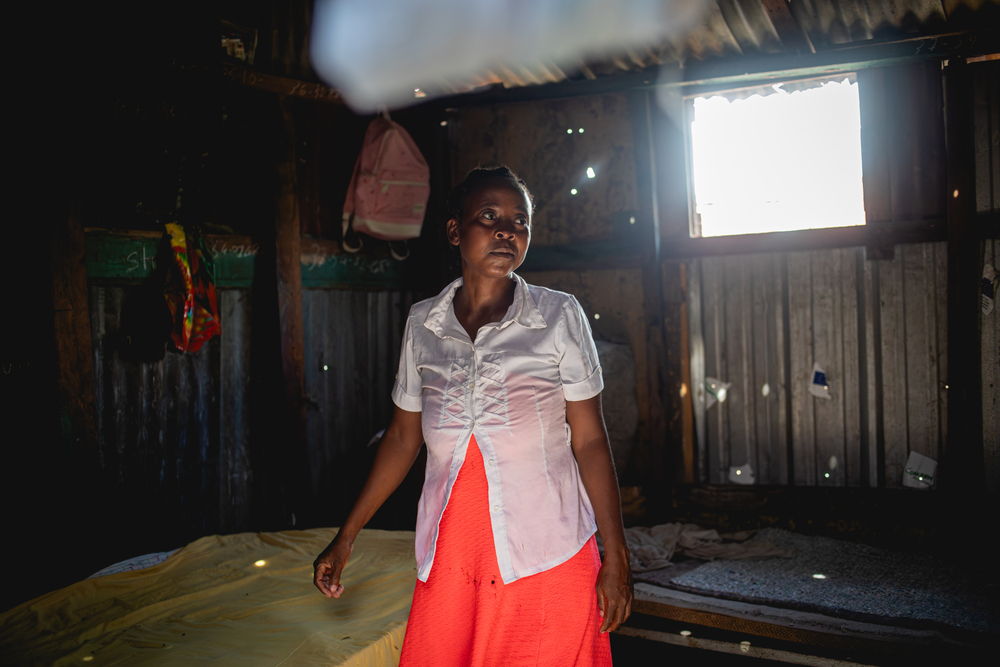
(243, 599)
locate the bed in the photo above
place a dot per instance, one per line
(233, 599)
(249, 599)
(816, 600)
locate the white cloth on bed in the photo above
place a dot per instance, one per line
(653, 547)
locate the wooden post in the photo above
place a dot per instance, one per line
(288, 274)
(962, 471)
(652, 457)
(878, 136)
(671, 177)
(74, 353)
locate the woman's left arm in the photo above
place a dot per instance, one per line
(597, 469)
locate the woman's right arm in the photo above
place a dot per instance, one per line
(397, 451)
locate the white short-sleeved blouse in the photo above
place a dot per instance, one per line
(509, 388)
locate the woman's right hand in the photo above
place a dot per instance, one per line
(329, 565)
(396, 453)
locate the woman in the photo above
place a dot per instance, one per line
(501, 379)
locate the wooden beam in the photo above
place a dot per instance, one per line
(623, 253)
(688, 465)
(744, 648)
(808, 239)
(725, 71)
(281, 85)
(878, 138)
(669, 156)
(720, 73)
(288, 240)
(657, 443)
(130, 256)
(288, 274)
(669, 165)
(703, 625)
(965, 476)
(73, 348)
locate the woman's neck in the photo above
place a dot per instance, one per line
(482, 300)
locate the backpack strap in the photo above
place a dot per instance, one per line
(350, 240)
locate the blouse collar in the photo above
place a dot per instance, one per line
(523, 310)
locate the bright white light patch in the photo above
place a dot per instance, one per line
(569, 130)
(597, 316)
(591, 173)
(326, 367)
(375, 52)
(819, 576)
(790, 160)
(685, 633)
(573, 191)
(260, 563)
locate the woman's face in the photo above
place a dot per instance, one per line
(494, 231)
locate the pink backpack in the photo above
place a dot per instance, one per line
(387, 197)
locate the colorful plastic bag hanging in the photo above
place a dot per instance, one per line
(190, 290)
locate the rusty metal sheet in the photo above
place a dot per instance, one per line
(877, 328)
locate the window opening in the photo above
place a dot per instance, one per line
(781, 157)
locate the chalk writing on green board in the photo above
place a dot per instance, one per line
(132, 257)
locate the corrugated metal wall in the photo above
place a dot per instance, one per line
(352, 341)
(175, 434)
(877, 328)
(161, 434)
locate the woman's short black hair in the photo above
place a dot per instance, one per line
(480, 176)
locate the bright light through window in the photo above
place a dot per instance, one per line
(783, 161)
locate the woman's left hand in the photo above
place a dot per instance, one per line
(614, 592)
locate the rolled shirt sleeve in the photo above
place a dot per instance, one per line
(406, 390)
(579, 367)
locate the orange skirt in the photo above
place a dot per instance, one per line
(464, 615)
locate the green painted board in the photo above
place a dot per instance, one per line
(132, 258)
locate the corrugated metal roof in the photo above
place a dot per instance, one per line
(733, 28)
(728, 31)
